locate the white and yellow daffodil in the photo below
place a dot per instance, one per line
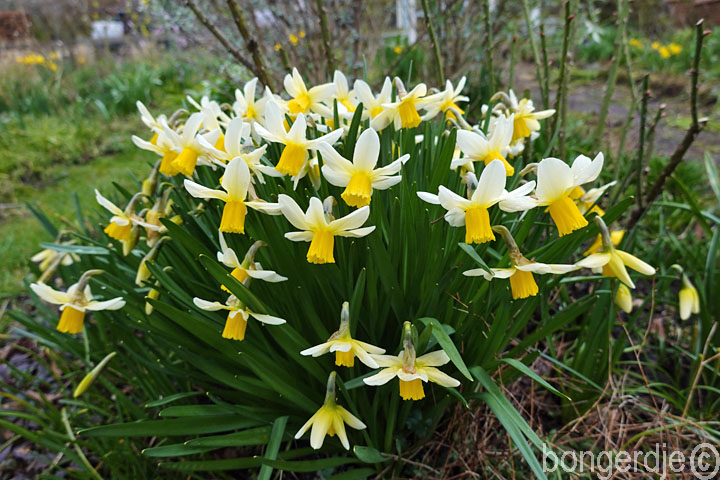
(330, 419)
(360, 177)
(623, 298)
(213, 115)
(446, 101)
(403, 113)
(344, 96)
(48, 257)
(75, 301)
(525, 118)
(688, 299)
(235, 184)
(616, 237)
(154, 124)
(587, 200)
(238, 315)
(345, 347)
(480, 148)
(410, 370)
(297, 145)
(186, 144)
(120, 226)
(473, 213)
(373, 105)
(320, 229)
(235, 146)
(248, 267)
(246, 106)
(611, 261)
(556, 181)
(520, 272)
(163, 147)
(306, 101)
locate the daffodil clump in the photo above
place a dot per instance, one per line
(265, 217)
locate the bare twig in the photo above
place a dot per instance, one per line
(322, 14)
(639, 163)
(433, 39)
(695, 128)
(212, 28)
(561, 96)
(250, 43)
(488, 46)
(536, 54)
(545, 86)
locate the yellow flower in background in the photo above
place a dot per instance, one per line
(675, 48)
(398, 49)
(689, 299)
(664, 52)
(655, 45)
(293, 39)
(75, 301)
(316, 229)
(301, 34)
(360, 177)
(330, 419)
(410, 370)
(634, 42)
(345, 347)
(623, 298)
(278, 47)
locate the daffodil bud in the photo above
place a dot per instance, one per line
(132, 241)
(623, 298)
(153, 294)
(88, 380)
(149, 184)
(689, 299)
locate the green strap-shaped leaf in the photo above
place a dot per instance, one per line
(474, 255)
(369, 454)
(447, 345)
(527, 371)
(273, 447)
(175, 426)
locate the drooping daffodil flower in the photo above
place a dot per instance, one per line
(238, 316)
(481, 148)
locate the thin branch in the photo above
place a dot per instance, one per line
(489, 46)
(561, 96)
(695, 128)
(250, 43)
(326, 36)
(433, 39)
(219, 36)
(639, 162)
(536, 54)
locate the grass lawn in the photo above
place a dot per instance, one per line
(21, 232)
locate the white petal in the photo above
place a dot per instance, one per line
(554, 179)
(356, 233)
(107, 204)
(209, 306)
(367, 150)
(198, 191)
(236, 179)
(381, 378)
(352, 220)
(596, 260)
(584, 170)
(433, 359)
(442, 379)
(49, 294)
(429, 198)
(491, 184)
(292, 212)
(269, 319)
(112, 304)
(317, 350)
(266, 275)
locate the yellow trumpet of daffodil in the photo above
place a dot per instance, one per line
(411, 370)
(445, 101)
(623, 298)
(75, 301)
(360, 177)
(320, 229)
(525, 118)
(403, 113)
(345, 347)
(330, 419)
